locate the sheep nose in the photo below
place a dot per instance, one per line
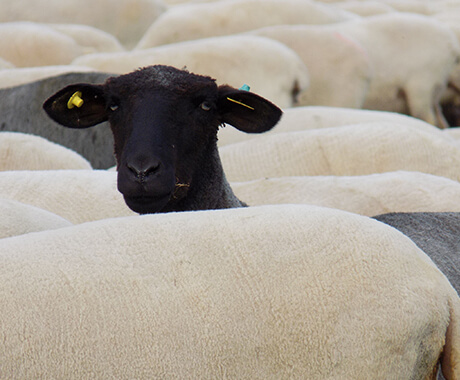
(143, 169)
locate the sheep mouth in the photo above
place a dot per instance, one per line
(146, 204)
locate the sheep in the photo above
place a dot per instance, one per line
(406, 78)
(26, 44)
(232, 60)
(78, 196)
(21, 111)
(20, 151)
(365, 8)
(369, 195)
(127, 20)
(339, 68)
(254, 293)
(89, 37)
(315, 117)
(436, 233)
(18, 219)
(349, 150)
(165, 121)
(185, 22)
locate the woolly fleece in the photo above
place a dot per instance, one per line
(20, 151)
(316, 117)
(18, 218)
(348, 150)
(256, 293)
(76, 195)
(366, 195)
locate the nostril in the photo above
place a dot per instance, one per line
(142, 170)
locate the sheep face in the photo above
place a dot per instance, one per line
(164, 122)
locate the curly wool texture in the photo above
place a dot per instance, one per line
(20, 151)
(348, 150)
(366, 195)
(257, 293)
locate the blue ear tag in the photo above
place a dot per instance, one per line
(244, 87)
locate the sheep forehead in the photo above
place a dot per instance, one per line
(160, 77)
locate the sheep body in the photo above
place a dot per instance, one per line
(77, 195)
(363, 194)
(316, 117)
(260, 293)
(19, 219)
(27, 44)
(406, 78)
(21, 111)
(20, 151)
(185, 22)
(125, 19)
(348, 150)
(340, 70)
(232, 60)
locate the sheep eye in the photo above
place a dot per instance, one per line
(113, 107)
(205, 106)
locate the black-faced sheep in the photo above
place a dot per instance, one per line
(165, 122)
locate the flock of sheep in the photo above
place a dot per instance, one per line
(301, 284)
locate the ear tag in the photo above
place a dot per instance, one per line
(241, 104)
(244, 87)
(75, 101)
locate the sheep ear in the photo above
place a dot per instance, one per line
(77, 106)
(247, 111)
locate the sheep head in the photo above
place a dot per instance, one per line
(164, 122)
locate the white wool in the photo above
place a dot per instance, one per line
(127, 20)
(369, 195)
(232, 60)
(349, 150)
(76, 195)
(365, 8)
(4, 64)
(453, 133)
(26, 44)
(340, 70)
(18, 76)
(91, 39)
(401, 48)
(20, 151)
(18, 218)
(195, 21)
(256, 293)
(315, 117)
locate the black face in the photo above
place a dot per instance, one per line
(160, 136)
(164, 122)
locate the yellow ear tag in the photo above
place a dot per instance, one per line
(75, 101)
(241, 104)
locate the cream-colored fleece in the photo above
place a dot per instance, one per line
(369, 195)
(258, 293)
(17, 218)
(348, 150)
(21, 151)
(316, 117)
(76, 195)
